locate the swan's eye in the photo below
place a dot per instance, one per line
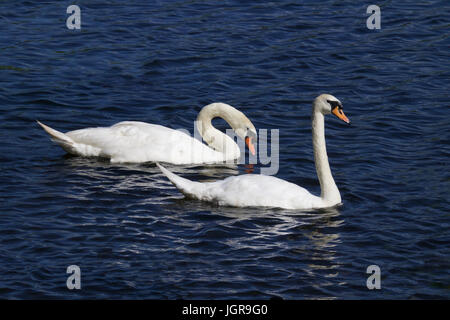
(335, 104)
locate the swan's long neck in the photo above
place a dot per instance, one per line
(329, 190)
(213, 137)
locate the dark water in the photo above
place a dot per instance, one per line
(134, 236)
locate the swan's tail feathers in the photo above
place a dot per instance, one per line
(60, 138)
(189, 188)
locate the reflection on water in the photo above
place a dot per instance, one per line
(307, 239)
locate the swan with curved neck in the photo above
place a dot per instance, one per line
(134, 141)
(267, 191)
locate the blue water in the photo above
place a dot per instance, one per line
(132, 233)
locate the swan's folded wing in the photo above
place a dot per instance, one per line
(260, 190)
(132, 141)
(250, 190)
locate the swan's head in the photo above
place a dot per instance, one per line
(326, 104)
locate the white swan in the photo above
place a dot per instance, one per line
(267, 191)
(133, 141)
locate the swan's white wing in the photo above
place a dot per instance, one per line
(132, 141)
(247, 191)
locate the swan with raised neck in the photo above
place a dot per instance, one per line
(253, 190)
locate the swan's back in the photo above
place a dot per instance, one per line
(261, 190)
(133, 141)
(250, 190)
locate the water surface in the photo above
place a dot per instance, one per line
(132, 233)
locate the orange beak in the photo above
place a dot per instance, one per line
(251, 147)
(340, 114)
